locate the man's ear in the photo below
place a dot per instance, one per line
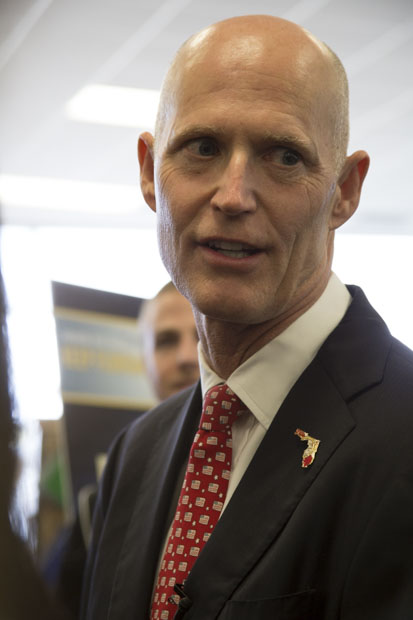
(146, 164)
(349, 187)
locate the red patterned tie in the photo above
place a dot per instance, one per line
(202, 496)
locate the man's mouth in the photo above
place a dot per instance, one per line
(233, 249)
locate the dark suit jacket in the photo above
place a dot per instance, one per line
(334, 541)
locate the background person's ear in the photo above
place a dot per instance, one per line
(349, 186)
(146, 164)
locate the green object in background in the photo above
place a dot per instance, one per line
(52, 481)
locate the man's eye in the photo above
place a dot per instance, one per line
(290, 158)
(167, 339)
(284, 156)
(205, 147)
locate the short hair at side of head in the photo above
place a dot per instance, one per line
(341, 124)
(166, 89)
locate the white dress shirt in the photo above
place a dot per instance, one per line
(263, 381)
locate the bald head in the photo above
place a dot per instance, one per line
(268, 44)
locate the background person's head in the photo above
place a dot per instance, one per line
(169, 340)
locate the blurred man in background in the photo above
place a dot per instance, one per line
(169, 342)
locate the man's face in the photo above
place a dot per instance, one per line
(170, 344)
(245, 183)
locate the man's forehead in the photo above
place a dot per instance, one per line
(169, 306)
(218, 56)
(268, 104)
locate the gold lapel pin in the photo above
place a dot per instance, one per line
(311, 449)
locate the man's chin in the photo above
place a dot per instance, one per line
(235, 313)
(228, 303)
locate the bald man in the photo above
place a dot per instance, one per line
(249, 176)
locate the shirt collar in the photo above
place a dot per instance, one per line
(263, 381)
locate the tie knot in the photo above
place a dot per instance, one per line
(221, 408)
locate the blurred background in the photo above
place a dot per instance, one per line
(79, 79)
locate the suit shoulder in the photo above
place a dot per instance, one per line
(159, 417)
(135, 443)
(402, 354)
(131, 450)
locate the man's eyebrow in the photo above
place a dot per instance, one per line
(195, 131)
(167, 330)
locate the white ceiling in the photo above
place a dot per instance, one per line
(50, 49)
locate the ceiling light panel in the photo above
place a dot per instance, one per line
(114, 105)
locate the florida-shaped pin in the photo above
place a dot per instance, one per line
(311, 449)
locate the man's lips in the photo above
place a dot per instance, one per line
(231, 248)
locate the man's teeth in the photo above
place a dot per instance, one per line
(226, 245)
(234, 254)
(230, 248)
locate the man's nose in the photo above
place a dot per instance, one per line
(235, 190)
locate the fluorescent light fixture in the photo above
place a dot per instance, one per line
(67, 195)
(114, 105)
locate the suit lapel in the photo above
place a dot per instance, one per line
(351, 360)
(157, 483)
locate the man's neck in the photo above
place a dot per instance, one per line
(228, 345)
